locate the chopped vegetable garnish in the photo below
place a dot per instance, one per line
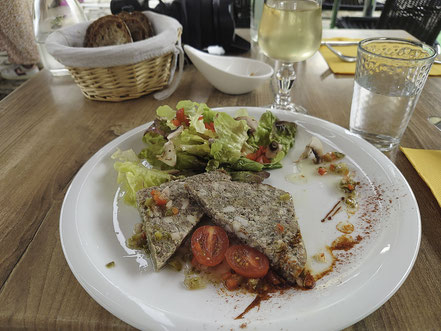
(347, 184)
(285, 197)
(280, 227)
(158, 198)
(332, 156)
(194, 282)
(175, 264)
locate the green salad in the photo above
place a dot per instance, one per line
(194, 138)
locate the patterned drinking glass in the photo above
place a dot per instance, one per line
(390, 75)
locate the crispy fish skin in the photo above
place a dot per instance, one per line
(165, 232)
(260, 215)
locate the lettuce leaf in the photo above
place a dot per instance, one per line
(187, 161)
(166, 112)
(192, 143)
(271, 129)
(134, 176)
(231, 137)
(245, 164)
(155, 146)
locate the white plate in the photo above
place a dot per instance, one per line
(94, 224)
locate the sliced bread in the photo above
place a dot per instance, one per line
(107, 30)
(135, 25)
(146, 23)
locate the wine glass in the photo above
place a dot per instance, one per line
(289, 31)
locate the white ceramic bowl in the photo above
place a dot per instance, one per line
(230, 74)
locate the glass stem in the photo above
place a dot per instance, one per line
(285, 76)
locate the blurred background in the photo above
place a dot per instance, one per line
(333, 11)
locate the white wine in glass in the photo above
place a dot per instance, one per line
(290, 31)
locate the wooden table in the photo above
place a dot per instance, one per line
(48, 130)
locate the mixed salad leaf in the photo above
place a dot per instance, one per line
(194, 138)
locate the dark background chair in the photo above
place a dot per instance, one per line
(421, 18)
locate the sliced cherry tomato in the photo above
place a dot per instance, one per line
(247, 261)
(209, 244)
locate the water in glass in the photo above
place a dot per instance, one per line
(381, 118)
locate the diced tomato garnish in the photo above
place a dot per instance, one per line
(261, 151)
(263, 159)
(247, 261)
(351, 187)
(201, 118)
(280, 227)
(332, 167)
(328, 157)
(251, 156)
(175, 210)
(322, 171)
(180, 116)
(176, 122)
(209, 244)
(233, 282)
(210, 126)
(158, 198)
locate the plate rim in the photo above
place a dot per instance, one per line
(98, 297)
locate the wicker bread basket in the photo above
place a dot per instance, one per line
(124, 82)
(119, 82)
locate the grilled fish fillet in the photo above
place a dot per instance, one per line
(262, 216)
(165, 231)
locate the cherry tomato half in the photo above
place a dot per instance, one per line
(247, 261)
(209, 244)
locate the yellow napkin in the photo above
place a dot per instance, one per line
(428, 165)
(340, 67)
